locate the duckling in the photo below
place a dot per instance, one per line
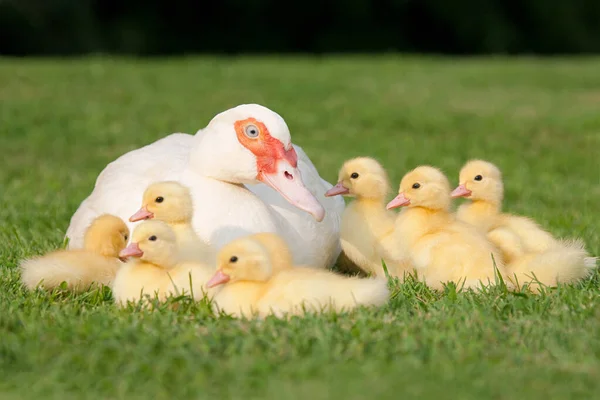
(528, 249)
(259, 279)
(97, 262)
(441, 248)
(171, 202)
(367, 226)
(155, 267)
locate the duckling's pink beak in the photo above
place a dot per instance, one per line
(142, 213)
(399, 201)
(287, 180)
(460, 191)
(218, 278)
(133, 250)
(337, 189)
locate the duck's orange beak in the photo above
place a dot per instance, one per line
(399, 201)
(460, 191)
(142, 213)
(218, 278)
(133, 250)
(287, 180)
(337, 190)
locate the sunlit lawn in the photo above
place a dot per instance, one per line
(61, 122)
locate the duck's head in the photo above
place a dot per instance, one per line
(426, 187)
(249, 144)
(279, 252)
(480, 180)
(166, 201)
(153, 241)
(362, 177)
(107, 235)
(250, 258)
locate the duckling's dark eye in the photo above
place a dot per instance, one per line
(416, 185)
(478, 178)
(125, 237)
(354, 175)
(159, 199)
(152, 238)
(233, 259)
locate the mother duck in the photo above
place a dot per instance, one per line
(245, 176)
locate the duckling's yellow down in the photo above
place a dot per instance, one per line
(171, 202)
(441, 248)
(259, 279)
(96, 263)
(367, 226)
(154, 268)
(533, 255)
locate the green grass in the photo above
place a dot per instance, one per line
(61, 122)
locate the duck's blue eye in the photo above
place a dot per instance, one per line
(251, 131)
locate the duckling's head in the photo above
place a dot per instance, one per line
(362, 177)
(166, 201)
(425, 187)
(153, 242)
(245, 259)
(279, 252)
(480, 180)
(107, 235)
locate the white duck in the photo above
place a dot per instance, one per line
(246, 145)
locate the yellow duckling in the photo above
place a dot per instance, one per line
(441, 248)
(171, 202)
(367, 226)
(528, 249)
(97, 262)
(155, 267)
(258, 278)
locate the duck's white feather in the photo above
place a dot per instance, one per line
(120, 186)
(222, 211)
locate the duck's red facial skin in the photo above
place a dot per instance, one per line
(266, 148)
(276, 166)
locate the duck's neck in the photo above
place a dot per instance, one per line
(183, 227)
(371, 201)
(138, 264)
(416, 222)
(375, 214)
(227, 209)
(480, 213)
(165, 265)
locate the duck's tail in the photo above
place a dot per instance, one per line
(567, 263)
(351, 292)
(75, 269)
(590, 262)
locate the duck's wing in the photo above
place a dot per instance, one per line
(120, 186)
